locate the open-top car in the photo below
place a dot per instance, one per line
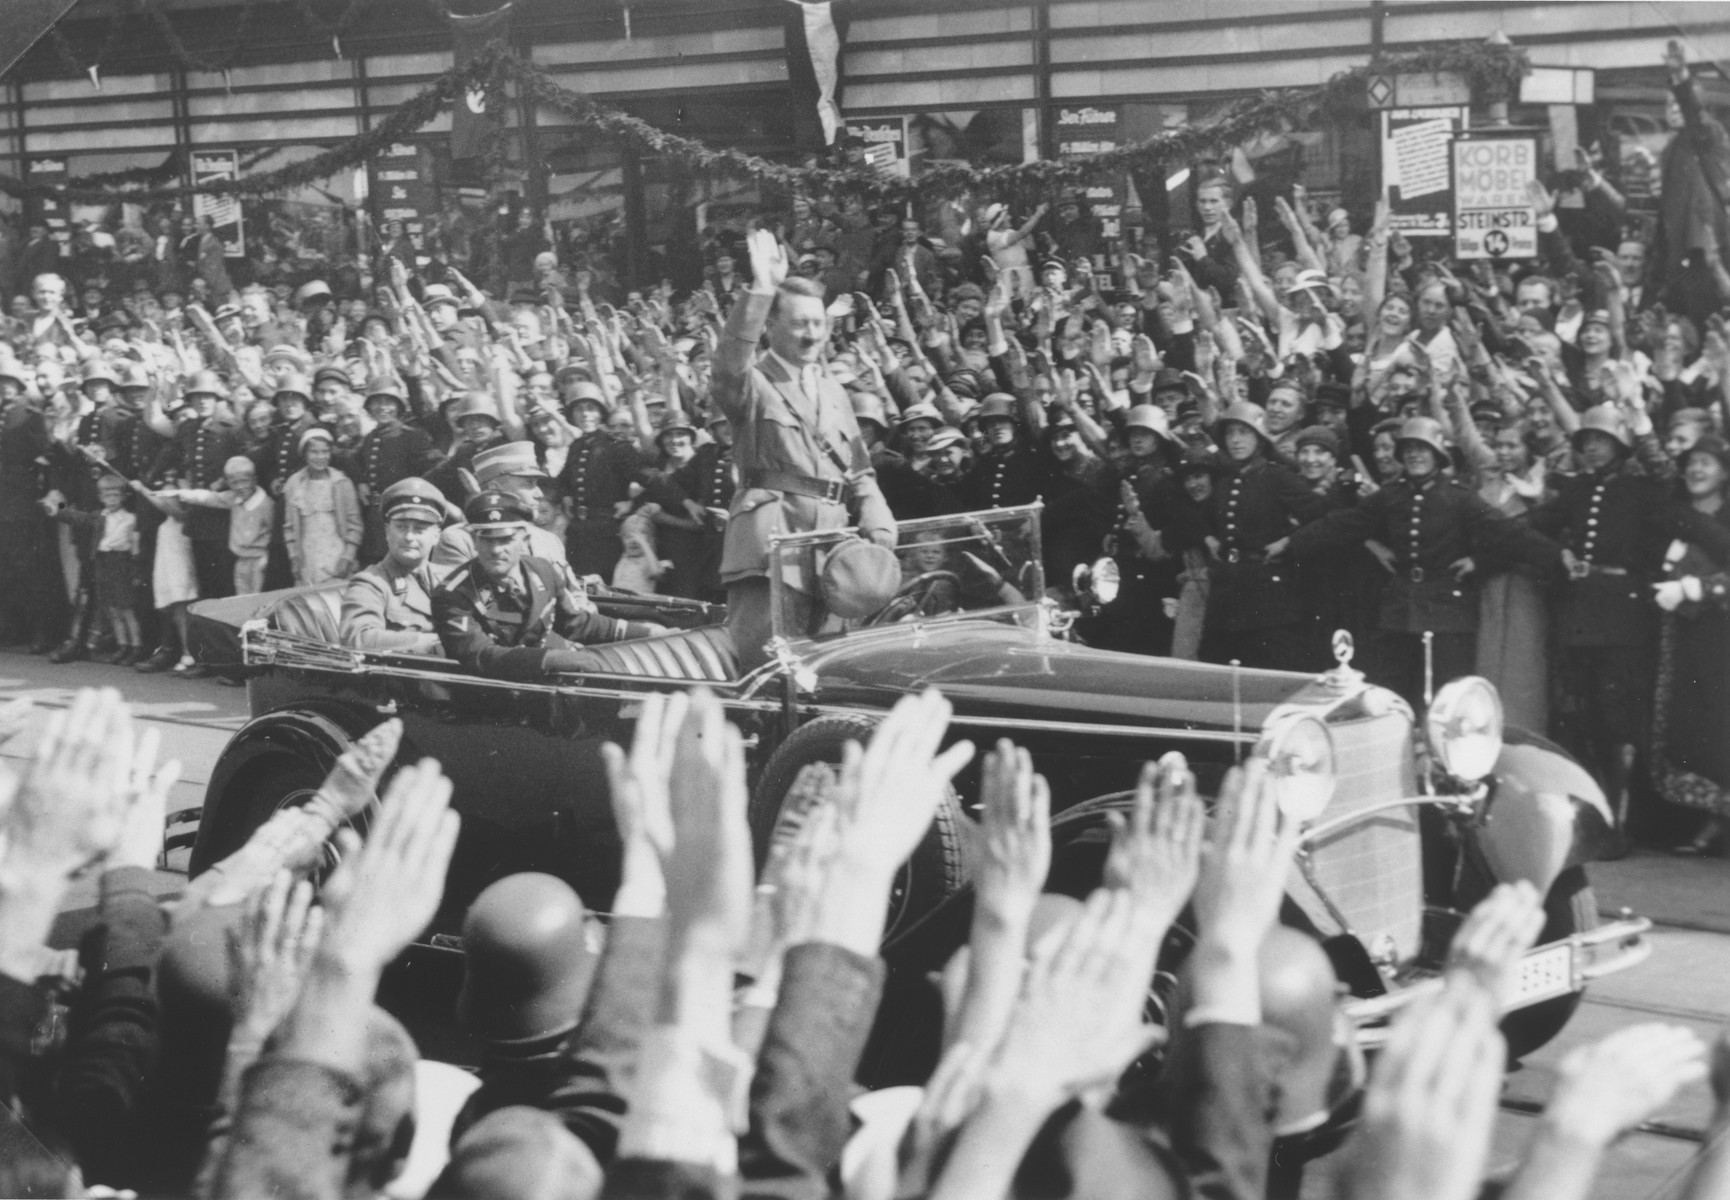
(1408, 819)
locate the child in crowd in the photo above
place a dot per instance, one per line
(115, 565)
(173, 584)
(322, 523)
(250, 514)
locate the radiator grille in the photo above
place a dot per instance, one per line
(1370, 872)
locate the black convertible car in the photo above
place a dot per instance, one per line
(1410, 818)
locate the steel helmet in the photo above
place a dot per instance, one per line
(134, 375)
(1426, 431)
(584, 392)
(1150, 417)
(317, 289)
(921, 412)
(1245, 413)
(389, 387)
(294, 384)
(1604, 418)
(998, 406)
(206, 383)
(868, 406)
(476, 404)
(527, 964)
(98, 371)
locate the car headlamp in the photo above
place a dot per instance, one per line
(1300, 757)
(1101, 580)
(1465, 727)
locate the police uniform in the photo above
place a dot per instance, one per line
(387, 456)
(599, 471)
(709, 481)
(198, 452)
(25, 559)
(526, 626)
(1254, 606)
(1617, 523)
(1429, 525)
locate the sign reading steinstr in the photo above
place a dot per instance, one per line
(1493, 214)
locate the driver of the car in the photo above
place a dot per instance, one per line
(982, 586)
(506, 614)
(388, 606)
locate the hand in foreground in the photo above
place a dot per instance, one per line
(709, 869)
(900, 778)
(1487, 948)
(1015, 837)
(1244, 863)
(1430, 1103)
(146, 818)
(353, 782)
(639, 789)
(269, 952)
(71, 804)
(387, 891)
(790, 891)
(1155, 854)
(1056, 1045)
(1608, 1087)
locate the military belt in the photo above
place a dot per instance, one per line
(830, 490)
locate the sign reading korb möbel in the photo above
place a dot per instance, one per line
(1493, 214)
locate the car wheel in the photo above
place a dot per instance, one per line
(254, 791)
(1571, 907)
(937, 868)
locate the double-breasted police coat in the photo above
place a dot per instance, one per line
(1002, 478)
(599, 471)
(1429, 526)
(1256, 503)
(198, 452)
(802, 464)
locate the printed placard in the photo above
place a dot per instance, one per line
(1493, 214)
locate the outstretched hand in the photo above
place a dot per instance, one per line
(353, 782)
(1015, 833)
(1490, 942)
(768, 260)
(71, 805)
(1610, 1086)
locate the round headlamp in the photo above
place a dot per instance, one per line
(1300, 756)
(1101, 580)
(1465, 727)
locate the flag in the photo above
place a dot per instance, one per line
(816, 31)
(476, 119)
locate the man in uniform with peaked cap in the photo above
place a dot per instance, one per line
(388, 606)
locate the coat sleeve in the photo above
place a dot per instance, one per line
(114, 1022)
(465, 639)
(730, 387)
(799, 1121)
(348, 521)
(1341, 527)
(1502, 541)
(1220, 1130)
(292, 1135)
(363, 624)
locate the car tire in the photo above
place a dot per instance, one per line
(937, 868)
(1570, 907)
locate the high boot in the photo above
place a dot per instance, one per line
(1618, 780)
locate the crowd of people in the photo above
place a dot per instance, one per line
(229, 1043)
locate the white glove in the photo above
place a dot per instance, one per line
(1691, 588)
(1669, 594)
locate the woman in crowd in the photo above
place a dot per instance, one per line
(1514, 614)
(322, 524)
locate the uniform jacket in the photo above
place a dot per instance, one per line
(708, 478)
(778, 428)
(599, 471)
(282, 456)
(1254, 505)
(1002, 480)
(198, 451)
(389, 456)
(388, 608)
(505, 634)
(1620, 522)
(132, 446)
(1430, 526)
(23, 447)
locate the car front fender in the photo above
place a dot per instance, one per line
(1544, 813)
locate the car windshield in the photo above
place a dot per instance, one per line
(967, 564)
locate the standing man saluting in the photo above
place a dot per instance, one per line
(802, 464)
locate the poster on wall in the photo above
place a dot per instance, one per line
(1094, 129)
(401, 185)
(223, 212)
(885, 141)
(1417, 168)
(1493, 215)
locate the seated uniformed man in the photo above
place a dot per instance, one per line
(388, 606)
(506, 614)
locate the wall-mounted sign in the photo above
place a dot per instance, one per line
(1493, 214)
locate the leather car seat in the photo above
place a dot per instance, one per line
(703, 655)
(314, 613)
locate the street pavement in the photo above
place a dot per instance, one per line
(1686, 980)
